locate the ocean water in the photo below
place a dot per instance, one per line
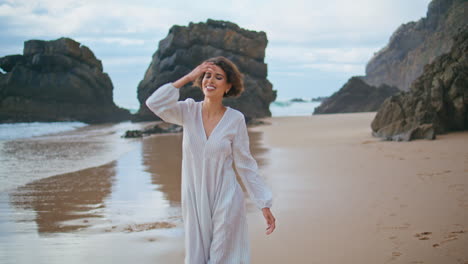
(27, 130)
(290, 108)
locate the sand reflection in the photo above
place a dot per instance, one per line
(162, 158)
(72, 196)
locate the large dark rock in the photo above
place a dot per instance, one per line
(59, 80)
(356, 96)
(436, 103)
(416, 44)
(186, 47)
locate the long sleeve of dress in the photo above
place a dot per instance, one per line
(247, 169)
(163, 102)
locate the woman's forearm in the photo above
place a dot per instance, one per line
(182, 81)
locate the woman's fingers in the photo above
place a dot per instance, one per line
(200, 69)
(271, 225)
(270, 228)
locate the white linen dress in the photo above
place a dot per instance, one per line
(213, 207)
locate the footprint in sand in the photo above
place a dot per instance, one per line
(395, 255)
(450, 237)
(151, 239)
(423, 235)
(396, 242)
(404, 226)
(457, 187)
(448, 240)
(130, 228)
(463, 201)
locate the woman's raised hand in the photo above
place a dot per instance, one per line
(199, 70)
(193, 75)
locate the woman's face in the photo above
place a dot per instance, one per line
(215, 83)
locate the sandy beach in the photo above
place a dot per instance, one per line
(343, 196)
(340, 196)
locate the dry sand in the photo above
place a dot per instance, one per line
(342, 196)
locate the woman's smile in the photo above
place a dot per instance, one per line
(210, 88)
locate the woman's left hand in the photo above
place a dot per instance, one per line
(270, 219)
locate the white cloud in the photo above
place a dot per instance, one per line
(112, 40)
(74, 17)
(299, 54)
(305, 21)
(126, 60)
(289, 73)
(351, 69)
(295, 21)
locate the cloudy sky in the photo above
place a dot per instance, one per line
(314, 46)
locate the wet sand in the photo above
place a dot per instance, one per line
(28, 159)
(340, 196)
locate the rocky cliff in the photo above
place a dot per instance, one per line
(186, 47)
(356, 96)
(59, 80)
(436, 103)
(416, 44)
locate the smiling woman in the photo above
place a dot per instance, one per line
(215, 137)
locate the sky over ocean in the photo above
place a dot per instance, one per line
(314, 46)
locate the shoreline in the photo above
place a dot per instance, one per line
(58, 153)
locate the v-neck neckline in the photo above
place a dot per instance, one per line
(203, 125)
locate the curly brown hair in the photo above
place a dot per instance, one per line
(233, 76)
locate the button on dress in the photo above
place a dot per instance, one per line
(213, 208)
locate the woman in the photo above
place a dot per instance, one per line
(214, 138)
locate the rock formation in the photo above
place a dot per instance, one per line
(160, 128)
(356, 96)
(436, 103)
(186, 47)
(59, 80)
(416, 44)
